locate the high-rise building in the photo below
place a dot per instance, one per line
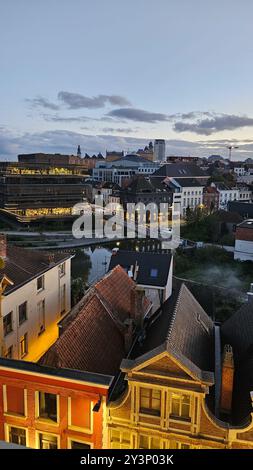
(159, 149)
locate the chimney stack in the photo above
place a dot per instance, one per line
(137, 305)
(3, 246)
(227, 380)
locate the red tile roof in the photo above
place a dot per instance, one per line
(94, 340)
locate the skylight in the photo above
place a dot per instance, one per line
(153, 272)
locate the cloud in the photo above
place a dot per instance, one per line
(65, 141)
(213, 123)
(57, 118)
(77, 101)
(138, 115)
(126, 130)
(42, 103)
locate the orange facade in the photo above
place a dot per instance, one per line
(39, 410)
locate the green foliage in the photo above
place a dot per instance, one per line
(77, 290)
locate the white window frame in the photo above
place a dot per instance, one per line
(37, 409)
(37, 438)
(80, 441)
(7, 427)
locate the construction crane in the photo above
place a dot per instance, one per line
(230, 147)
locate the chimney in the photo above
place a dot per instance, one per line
(227, 380)
(137, 305)
(129, 334)
(3, 246)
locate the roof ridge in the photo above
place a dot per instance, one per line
(109, 308)
(174, 314)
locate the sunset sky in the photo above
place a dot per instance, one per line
(115, 74)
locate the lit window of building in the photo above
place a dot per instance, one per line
(180, 406)
(150, 401)
(23, 345)
(17, 435)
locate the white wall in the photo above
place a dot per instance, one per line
(37, 344)
(243, 250)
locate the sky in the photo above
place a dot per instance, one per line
(116, 74)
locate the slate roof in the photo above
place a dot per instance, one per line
(188, 182)
(21, 265)
(238, 332)
(94, 340)
(180, 170)
(183, 329)
(146, 261)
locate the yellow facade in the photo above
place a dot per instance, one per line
(164, 407)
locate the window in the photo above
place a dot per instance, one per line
(9, 353)
(17, 436)
(40, 283)
(120, 439)
(47, 441)
(7, 321)
(23, 345)
(180, 406)
(153, 272)
(22, 313)
(63, 298)
(150, 401)
(79, 445)
(41, 315)
(48, 406)
(14, 400)
(62, 269)
(80, 416)
(148, 442)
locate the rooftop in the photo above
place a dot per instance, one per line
(180, 170)
(22, 265)
(183, 329)
(153, 268)
(93, 339)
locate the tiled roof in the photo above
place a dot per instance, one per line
(184, 330)
(180, 170)
(21, 265)
(94, 340)
(153, 267)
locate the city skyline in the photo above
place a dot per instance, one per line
(80, 74)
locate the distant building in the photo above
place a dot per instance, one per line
(191, 191)
(41, 187)
(111, 156)
(159, 150)
(244, 241)
(147, 152)
(211, 198)
(121, 170)
(226, 194)
(144, 189)
(35, 300)
(181, 171)
(245, 209)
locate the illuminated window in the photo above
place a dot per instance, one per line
(23, 345)
(40, 283)
(47, 441)
(149, 442)
(7, 321)
(63, 298)
(150, 401)
(180, 406)
(22, 313)
(178, 445)
(17, 435)
(48, 406)
(41, 315)
(120, 439)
